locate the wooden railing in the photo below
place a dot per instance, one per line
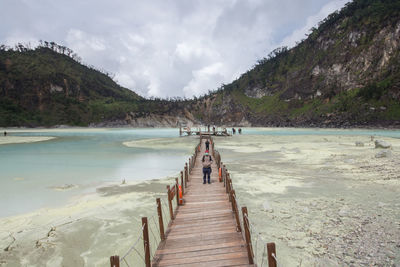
(244, 226)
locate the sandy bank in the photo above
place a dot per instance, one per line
(184, 143)
(4, 140)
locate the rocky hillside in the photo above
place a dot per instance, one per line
(346, 73)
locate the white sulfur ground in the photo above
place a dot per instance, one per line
(322, 199)
(84, 233)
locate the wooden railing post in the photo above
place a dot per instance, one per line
(226, 181)
(221, 165)
(186, 173)
(177, 191)
(182, 184)
(146, 242)
(160, 219)
(235, 210)
(228, 184)
(271, 255)
(171, 210)
(247, 235)
(114, 261)
(224, 170)
(230, 188)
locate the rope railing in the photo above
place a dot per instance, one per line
(133, 249)
(136, 256)
(261, 251)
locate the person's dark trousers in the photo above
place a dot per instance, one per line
(206, 172)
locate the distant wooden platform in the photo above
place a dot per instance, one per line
(204, 231)
(187, 131)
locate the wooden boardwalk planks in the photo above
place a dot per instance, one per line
(204, 230)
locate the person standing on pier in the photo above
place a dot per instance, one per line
(207, 161)
(207, 145)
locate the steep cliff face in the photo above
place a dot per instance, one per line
(342, 62)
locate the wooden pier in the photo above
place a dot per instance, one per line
(205, 226)
(207, 131)
(204, 231)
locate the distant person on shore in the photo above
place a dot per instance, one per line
(233, 131)
(214, 129)
(5, 133)
(240, 130)
(207, 145)
(207, 160)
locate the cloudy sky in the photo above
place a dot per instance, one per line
(165, 48)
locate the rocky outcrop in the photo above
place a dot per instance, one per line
(382, 144)
(151, 120)
(154, 120)
(383, 154)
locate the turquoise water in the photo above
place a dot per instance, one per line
(89, 158)
(85, 158)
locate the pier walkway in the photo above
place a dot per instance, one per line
(204, 231)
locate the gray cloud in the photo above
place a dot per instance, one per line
(165, 47)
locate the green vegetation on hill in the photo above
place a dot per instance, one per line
(44, 87)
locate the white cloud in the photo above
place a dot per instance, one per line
(16, 38)
(204, 79)
(165, 48)
(79, 40)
